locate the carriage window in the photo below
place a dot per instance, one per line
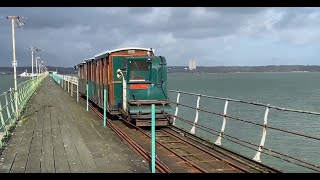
(139, 71)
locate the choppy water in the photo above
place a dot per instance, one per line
(7, 82)
(290, 90)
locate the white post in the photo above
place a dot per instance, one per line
(14, 64)
(218, 141)
(177, 108)
(264, 135)
(71, 87)
(68, 84)
(124, 101)
(32, 59)
(37, 66)
(77, 89)
(193, 129)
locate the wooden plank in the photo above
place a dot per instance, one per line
(59, 132)
(9, 154)
(104, 165)
(66, 155)
(20, 162)
(84, 153)
(60, 158)
(47, 164)
(71, 151)
(34, 157)
(35, 151)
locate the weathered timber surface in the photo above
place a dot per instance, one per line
(57, 135)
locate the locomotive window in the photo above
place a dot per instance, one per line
(124, 63)
(139, 71)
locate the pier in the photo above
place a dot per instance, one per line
(56, 135)
(54, 132)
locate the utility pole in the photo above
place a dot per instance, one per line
(14, 61)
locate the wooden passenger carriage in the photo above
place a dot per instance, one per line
(101, 72)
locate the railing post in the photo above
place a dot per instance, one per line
(218, 141)
(15, 96)
(177, 108)
(71, 88)
(7, 106)
(2, 122)
(104, 107)
(12, 106)
(77, 89)
(193, 129)
(87, 96)
(153, 140)
(61, 80)
(68, 85)
(20, 96)
(264, 135)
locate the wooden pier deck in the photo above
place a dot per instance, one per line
(57, 135)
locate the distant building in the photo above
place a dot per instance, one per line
(192, 64)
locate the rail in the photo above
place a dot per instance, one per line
(259, 148)
(70, 84)
(10, 112)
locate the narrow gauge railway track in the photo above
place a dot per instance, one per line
(184, 154)
(225, 153)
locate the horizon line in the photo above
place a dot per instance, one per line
(186, 66)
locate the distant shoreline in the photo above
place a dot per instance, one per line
(199, 69)
(240, 72)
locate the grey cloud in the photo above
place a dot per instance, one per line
(68, 35)
(237, 10)
(296, 17)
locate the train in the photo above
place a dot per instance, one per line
(134, 78)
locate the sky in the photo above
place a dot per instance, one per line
(239, 36)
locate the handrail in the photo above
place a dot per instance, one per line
(9, 112)
(71, 82)
(248, 102)
(264, 125)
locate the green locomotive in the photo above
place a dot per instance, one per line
(134, 78)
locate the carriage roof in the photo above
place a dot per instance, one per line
(106, 53)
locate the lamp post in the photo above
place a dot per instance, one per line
(33, 49)
(14, 61)
(37, 66)
(42, 66)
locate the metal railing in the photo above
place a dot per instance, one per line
(9, 114)
(71, 85)
(68, 83)
(259, 148)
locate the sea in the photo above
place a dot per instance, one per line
(294, 90)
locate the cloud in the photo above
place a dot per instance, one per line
(213, 36)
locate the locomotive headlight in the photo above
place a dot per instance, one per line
(119, 73)
(148, 55)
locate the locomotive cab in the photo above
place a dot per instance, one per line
(133, 79)
(144, 82)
